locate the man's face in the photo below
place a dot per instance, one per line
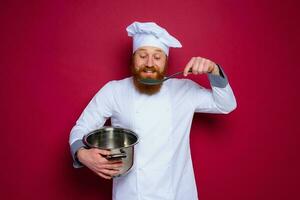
(148, 62)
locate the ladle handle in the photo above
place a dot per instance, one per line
(175, 74)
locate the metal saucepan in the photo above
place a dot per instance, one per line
(118, 140)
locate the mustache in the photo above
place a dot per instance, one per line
(148, 68)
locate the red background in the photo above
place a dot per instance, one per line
(55, 55)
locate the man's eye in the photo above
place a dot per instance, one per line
(142, 56)
(156, 57)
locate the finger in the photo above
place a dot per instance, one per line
(200, 66)
(100, 169)
(188, 66)
(104, 160)
(103, 175)
(212, 67)
(196, 65)
(110, 172)
(106, 169)
(103, 163)
(100, 152)
(113, 166)
(107, 166)
(205, 65)
(103, 152)
(115, 162)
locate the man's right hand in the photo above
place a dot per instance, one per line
(95, 160)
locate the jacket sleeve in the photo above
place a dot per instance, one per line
(93, 117)
(219, 99)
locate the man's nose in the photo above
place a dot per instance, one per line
(150, 62)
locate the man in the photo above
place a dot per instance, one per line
(161, 115)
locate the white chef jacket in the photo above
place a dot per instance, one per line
(162, 167)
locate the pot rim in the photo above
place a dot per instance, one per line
(110, 128)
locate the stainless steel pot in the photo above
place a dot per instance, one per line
(118, 140)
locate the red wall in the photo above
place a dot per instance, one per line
(55, 55)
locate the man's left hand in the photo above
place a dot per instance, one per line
(199, 65)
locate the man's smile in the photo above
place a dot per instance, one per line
(149, 72)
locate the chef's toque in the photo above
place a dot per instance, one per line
(150, 34)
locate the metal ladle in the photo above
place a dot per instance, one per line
(150, 81)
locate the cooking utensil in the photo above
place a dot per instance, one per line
(150, 81)
(118, 140)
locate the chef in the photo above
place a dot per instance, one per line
(161, 115)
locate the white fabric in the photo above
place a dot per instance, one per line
(150, 34)
(163, 166)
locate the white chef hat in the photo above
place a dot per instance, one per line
(150, 34)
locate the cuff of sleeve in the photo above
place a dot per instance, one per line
(74, 148)
(218, 80)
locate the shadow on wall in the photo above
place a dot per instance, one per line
(82, 183)
(211, 124)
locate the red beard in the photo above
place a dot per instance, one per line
(147, 72)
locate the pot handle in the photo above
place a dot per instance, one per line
(116, 156)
